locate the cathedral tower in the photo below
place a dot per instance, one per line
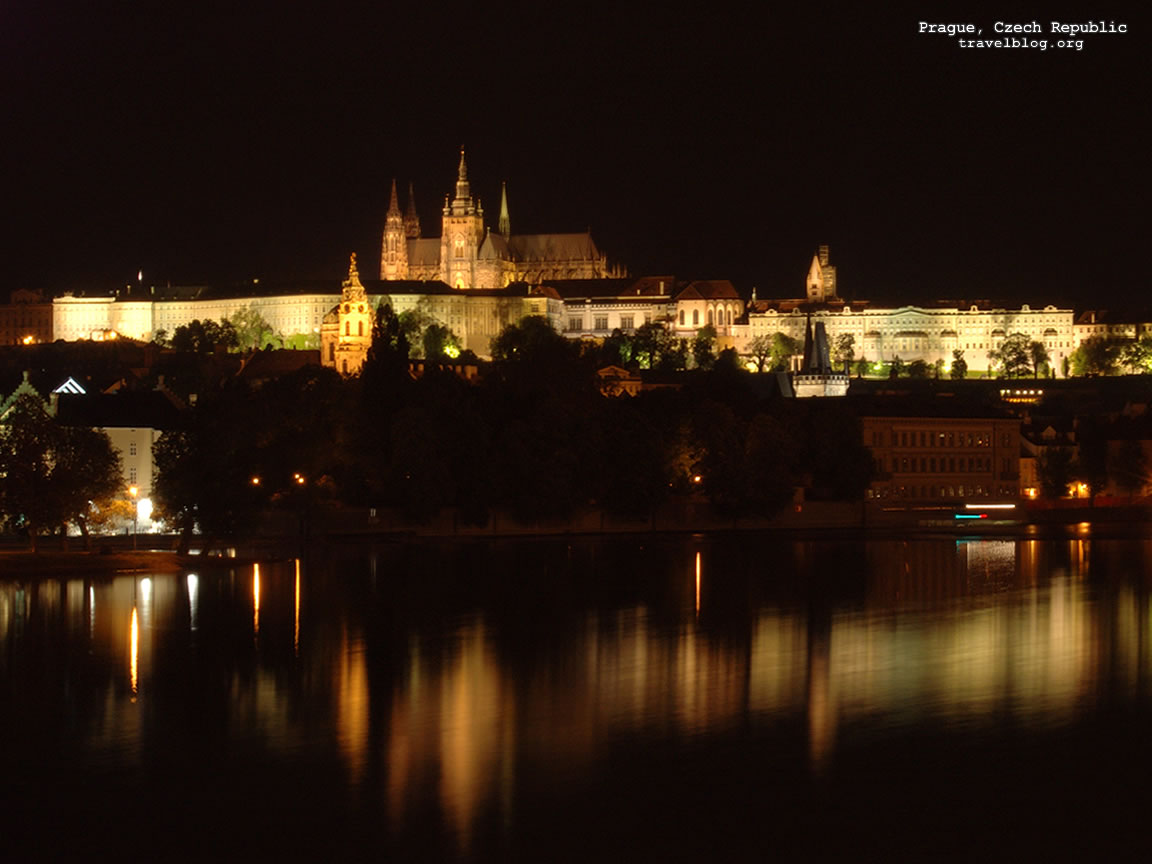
(462, 234)
(394, 249)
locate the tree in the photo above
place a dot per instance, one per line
(703, 347)
(651, 342)
(88, 469)
(1054, 467)
(784, 348)
(1127, 466)
(896, 368)
(51, 473)
(439, 342)
(253, 332)
(1013, 356)
(761, 350)
(918, 369)
(959, 365)
(1137, 356)
(204, 337)
(1038, 354)
(1096, 355)
(843, 350)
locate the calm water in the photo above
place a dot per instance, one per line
(710, 698)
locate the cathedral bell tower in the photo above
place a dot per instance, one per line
(394, 249)
(462, 235)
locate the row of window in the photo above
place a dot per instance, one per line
(722, 318)
(932, 465)
(935, 492)
(600, 322)
(924, 438)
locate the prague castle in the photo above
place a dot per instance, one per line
(476, 281)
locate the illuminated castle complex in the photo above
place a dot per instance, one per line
(468, 255)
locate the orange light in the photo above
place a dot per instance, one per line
(255, 481)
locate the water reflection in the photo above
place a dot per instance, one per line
(433, 699)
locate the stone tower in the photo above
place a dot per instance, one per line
(394, 249)
(821, 278)
(462, 235)
(354, 316)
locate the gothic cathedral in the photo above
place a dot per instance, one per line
(469, 256)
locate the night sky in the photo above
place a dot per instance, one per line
(203, 144)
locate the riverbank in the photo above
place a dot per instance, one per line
(56, 562)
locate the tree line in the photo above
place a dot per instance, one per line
(533, 439)
(54, 475)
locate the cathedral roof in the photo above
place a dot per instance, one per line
(553, 247)
(495, 247)
(424, 252)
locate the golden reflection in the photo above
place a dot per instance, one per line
(352, 704)
(134, 648)
(821, 706)
(296, 616)
(470, 730)
(256, 599)
(697, 584)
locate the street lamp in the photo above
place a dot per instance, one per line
(134, 491)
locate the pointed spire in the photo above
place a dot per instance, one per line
(411, 219)
(463, 202)
(504, 226)
(394, 201)
(353, 274)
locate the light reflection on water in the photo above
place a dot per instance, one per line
(940, 634)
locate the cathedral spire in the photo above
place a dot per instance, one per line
(411, 219)
(463, 188)
(504, 226)
(394, 202)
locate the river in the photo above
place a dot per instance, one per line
(717, 697)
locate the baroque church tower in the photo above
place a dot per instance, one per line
(462, 235)
(347, 348)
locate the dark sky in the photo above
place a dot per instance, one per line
(205, 144)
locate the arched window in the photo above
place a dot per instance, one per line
(681, 317)
(359, 328)
(458, 245)
(709, 315)
(695, 317)
(347, 328)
